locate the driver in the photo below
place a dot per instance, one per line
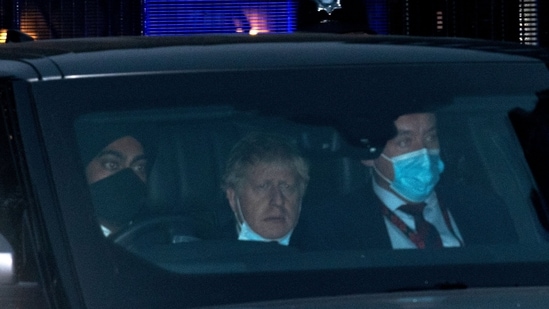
(116, 172)
(265, 180)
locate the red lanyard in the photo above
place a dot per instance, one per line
(411, 234)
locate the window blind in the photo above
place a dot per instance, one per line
(220, 16)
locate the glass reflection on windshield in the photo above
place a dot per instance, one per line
(246, 190)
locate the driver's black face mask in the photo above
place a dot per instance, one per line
(118, 198)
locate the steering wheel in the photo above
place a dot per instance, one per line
(169, 229)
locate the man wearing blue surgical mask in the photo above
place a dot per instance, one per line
(406, 173)
(404, 206)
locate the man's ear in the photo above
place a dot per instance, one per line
(368, 163)
(231, 197)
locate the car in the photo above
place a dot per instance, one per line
(119, 160)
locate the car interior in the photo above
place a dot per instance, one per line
(187, 205)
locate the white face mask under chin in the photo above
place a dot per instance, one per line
(246, 233)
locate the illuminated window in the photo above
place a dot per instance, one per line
(32, 21)
(221, 16)
(528, 22)
(378, 16)
(3, 35)
(440, 21)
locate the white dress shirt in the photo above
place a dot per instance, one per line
(432, 214)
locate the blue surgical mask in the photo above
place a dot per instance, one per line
(246, 233)
(415, 173)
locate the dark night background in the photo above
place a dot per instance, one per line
(483, 19)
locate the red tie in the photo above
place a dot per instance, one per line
(426, 235)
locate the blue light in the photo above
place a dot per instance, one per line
(180, 17)
(378, 16)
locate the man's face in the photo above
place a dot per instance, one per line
(125, 152)
(414, 132)
(270, 199)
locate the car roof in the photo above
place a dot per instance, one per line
(88, 57)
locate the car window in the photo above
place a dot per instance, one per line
(188, 150)
(177, 156)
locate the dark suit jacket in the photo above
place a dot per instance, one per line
(355, 221)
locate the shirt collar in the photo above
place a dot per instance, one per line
(392, 201)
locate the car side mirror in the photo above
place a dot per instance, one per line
(7, 271)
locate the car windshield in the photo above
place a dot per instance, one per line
(295, 171)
